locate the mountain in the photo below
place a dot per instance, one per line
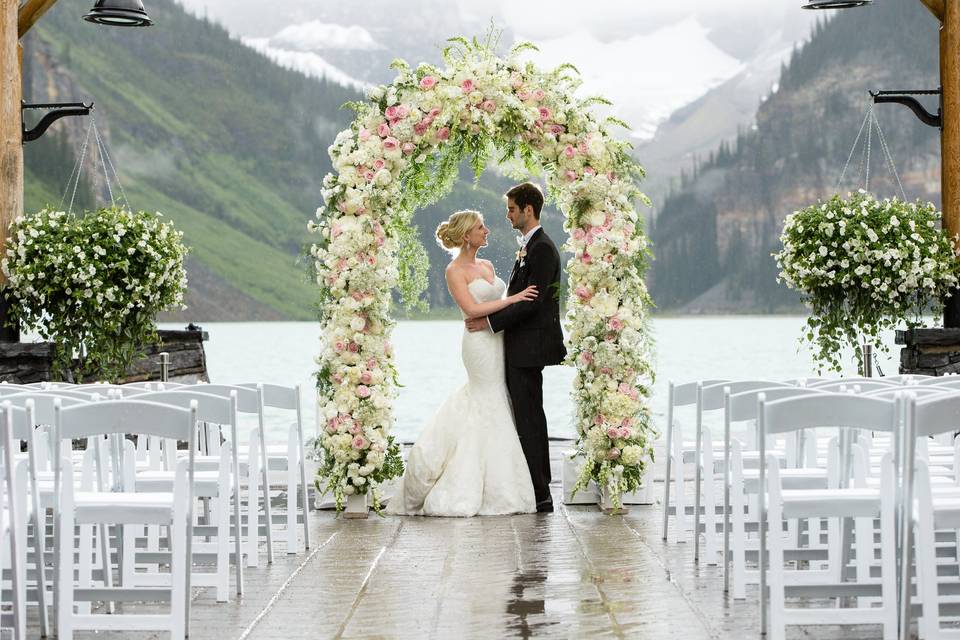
(201, 128)
(713, 234)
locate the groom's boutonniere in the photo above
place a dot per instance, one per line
(521, 254)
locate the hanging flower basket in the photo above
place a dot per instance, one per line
(865, 266)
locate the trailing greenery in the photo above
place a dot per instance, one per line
(865, 266)
(93, 284)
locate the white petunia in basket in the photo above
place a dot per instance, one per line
(864, 266)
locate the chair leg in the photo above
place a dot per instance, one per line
(86, 551)
(40, 568)
(223, 546)
(253, 513)
(64, 568)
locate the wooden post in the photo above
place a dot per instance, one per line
(950, 137)
(11, 148)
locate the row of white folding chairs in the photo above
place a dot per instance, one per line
(256, 451)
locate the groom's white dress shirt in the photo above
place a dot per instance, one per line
(523, 245)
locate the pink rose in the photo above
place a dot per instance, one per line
(590, 171)
(335, 230)
(331, 427)
(598, 419)
(338, 378)
(544, 113)
(579, 234)
(538, 94)
(586, 258)
(421, 127)
(556, 129)
(489, 106)
(372, 260)
(443, 133)
(582, 147)
(353, 347)
(613, 453)
(467, 86)
(615, 324)
(427, 82)
(378, 164)
(608, 258)
(607, 371)
(402, 111)
(359, 442)
(586, 357)
(516, 80)
(610, 176)
(368, 175)
(355, 429)
(356, 295)
(383, 130)
(392, 112)
(339, 346)
(524, 95)
(570, 175)
(623, 432)
(390, 143)
(363, 134)
(583, 293)
(569, 151)
(434, 113)
(363, 391)
(366, 378)
(408, 148)
(612, 433)
(627, 422)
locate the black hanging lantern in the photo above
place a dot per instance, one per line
(119, 13)
(835, 4)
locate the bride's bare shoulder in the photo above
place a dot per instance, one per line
(453, 270)
(488, 265)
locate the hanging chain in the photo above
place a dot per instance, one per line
(77, 168)
(853, 149)
(888, 157)
(103, 163)
(866, 180)
(116, 176)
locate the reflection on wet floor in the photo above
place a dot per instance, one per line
(526, 604)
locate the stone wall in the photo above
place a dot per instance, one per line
(932, 352)
(24, 362)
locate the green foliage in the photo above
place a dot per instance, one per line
(92, 285)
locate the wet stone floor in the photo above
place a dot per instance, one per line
(575, 573)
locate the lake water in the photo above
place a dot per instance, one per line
(427, 356)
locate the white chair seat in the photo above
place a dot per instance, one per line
(827, 503)
(94, 507)
(206, 483)
(797, 479)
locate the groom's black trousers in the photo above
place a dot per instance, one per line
(525, 386)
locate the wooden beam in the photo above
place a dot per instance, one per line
(11, 149)
(936, 7)
(33, 10)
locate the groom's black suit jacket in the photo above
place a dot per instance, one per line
(533, 337)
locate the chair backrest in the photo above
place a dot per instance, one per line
(210, 407)
(62, 392)
(248, 400)
(906, 378)
(934, 415)
(743, 405)
(856, 386)
(7, 389)
(712, 396)
(124, 416)
(43, 404)
(916, 389)
(834, 382)
(275, 395)
(942, 381)
(686, 393)
(828, 410)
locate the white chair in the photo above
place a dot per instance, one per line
(173, 510)
(855, 386)
(288, 458)
(218, 481)
(837, 411)
(836, 382)
(13, 524)
(935, 509)
(741, 483)
(678, 395)
(253, 464)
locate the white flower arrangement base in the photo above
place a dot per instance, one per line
(569, 473)
(606, 503)
(356, 507)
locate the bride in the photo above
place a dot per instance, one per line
(468, 459)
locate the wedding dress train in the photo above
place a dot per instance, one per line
(467, 460)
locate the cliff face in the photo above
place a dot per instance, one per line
(714, 235)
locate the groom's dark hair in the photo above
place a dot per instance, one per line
(527, 194)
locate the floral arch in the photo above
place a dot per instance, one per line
(402, 152)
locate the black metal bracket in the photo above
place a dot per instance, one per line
(59, 110)
(905, 98)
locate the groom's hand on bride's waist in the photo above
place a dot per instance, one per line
(477, 324)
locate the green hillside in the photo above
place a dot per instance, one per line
(203, 129)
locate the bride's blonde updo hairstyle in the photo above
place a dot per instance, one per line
(450, 234)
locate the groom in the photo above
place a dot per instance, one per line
(532, 335)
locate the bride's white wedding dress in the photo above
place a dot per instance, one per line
(468, 459)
